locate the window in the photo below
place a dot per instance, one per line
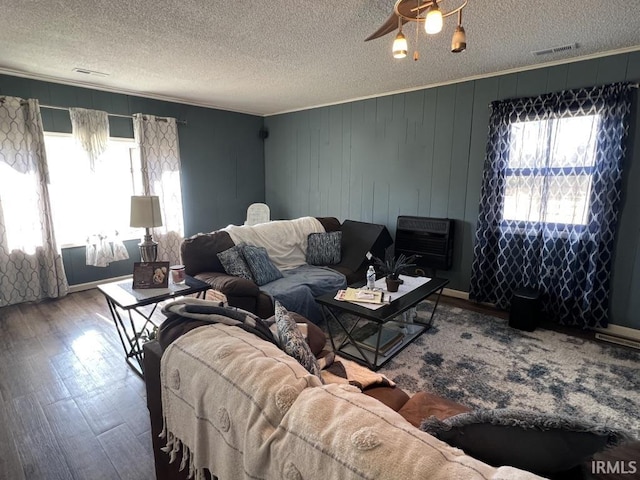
(550, 198)
(20, 208)
(550, 168)
(87, 203)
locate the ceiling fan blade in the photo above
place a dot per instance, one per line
(387, 27)
(391, 24)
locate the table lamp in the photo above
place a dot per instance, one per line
(145, 213)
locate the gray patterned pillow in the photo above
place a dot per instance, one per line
(324, 248)
(292, 341)
(234, 263)
(261, 266)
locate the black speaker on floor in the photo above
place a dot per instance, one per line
(525, 309)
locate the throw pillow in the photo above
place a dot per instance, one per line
(316, 339)
(234, 263)
(324, 248)
(293, 342)
(262, 268)
(540, 443)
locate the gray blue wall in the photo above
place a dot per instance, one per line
(221, 152)
(422, 153)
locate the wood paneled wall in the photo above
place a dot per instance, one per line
(221, 152)
(422, 153)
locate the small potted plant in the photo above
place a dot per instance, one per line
(391, 267)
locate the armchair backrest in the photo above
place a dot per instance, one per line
(199, 252)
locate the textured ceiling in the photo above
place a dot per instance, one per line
(277, 56)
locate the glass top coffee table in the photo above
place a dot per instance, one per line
(377, 334)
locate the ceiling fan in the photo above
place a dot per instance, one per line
(427, 12)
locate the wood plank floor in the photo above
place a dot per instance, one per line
(70, 406)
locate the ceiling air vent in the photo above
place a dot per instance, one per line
(93, 73)
(559, 49)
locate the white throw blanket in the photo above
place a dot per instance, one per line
(285, 240)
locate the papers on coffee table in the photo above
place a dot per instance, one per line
(409, 284)
(360, 295)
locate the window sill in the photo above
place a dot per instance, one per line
(83, 244)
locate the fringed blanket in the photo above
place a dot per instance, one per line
(224, 393)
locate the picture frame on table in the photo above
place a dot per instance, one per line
(150, 275)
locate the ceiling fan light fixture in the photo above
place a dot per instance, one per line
(400, 46)
(429, 13)
(459, 40)
(433, 21)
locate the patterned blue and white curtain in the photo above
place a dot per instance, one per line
(30, 263)
(549, 203)
(157, 139)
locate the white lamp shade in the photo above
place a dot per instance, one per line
(433, 22)
(400, 46)
(145, 212)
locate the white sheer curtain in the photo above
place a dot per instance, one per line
(102, 250)
(30, 263)
(157, 138)
(90, 130)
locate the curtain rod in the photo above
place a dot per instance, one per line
(53, 107)
(631, 85)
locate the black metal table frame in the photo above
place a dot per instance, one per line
(131, 344)
(361, 315)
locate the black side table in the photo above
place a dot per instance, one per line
(124, 301)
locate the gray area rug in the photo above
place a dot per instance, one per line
(481, 362)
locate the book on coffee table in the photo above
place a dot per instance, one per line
(367, 337)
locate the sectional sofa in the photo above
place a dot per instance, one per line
(225, 404)
(286, 244)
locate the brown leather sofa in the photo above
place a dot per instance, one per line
(199, 255)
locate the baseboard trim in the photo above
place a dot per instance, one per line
(618, 340)
(455, 293)
(620, 331)
(80, 287)
(613, 333)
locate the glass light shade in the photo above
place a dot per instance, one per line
(459, 40)
(400, 46)
(433, 22)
